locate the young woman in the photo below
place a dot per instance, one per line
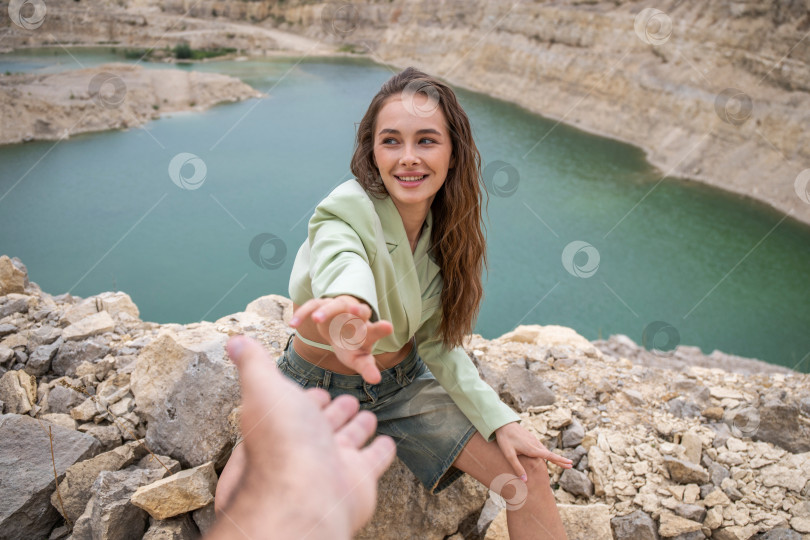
(384, 290)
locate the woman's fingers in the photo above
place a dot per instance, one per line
(511, 457)
(366, 366)
(563, 462)
(304, 310)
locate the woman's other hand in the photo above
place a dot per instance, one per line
(343, 322)
(514, 440)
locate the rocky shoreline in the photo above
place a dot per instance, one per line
(143, 417)
(110, 96)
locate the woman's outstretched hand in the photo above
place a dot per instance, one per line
(514, 440)
(343, 322)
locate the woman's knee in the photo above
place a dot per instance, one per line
(536, 469)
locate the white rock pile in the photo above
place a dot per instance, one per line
(142, 417)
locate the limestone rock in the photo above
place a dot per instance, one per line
(13, 275)
(92, 325)
(27, 472)
(780, 424)
(573, 434)
(113, 303)
(186, 387)
(586, 522)
(498, 529)
(71, 354)
(58, 419)
(204, 518)
(39, 362)
(79, 477)
(635, 526)
(778, 534)
(685, 472)
(18, 390)
(576, 483)
(429, 517)
(180, 493)
(273, 307)
(672, 525)
(524, 388)
(109, 513)
(178, 528)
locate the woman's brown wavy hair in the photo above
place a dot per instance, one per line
(458, 244)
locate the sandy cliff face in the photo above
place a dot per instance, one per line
(714, 91)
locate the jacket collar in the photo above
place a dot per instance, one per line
(394, 228)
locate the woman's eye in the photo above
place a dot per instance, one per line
(385, 141)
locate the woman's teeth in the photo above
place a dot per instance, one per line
(410, 178)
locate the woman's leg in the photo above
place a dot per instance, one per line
(229, 478)
(535, 518)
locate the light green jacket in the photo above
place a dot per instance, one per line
(357, 245)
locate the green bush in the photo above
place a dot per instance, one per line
(182, 50)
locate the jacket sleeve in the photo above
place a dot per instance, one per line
(459, 377)
(340, 261)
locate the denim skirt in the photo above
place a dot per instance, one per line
(430, 431)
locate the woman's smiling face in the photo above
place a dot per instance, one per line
(411, 139)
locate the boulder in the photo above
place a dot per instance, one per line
(27, 472)
(177, 528)
(79, 477)
(524, 388)
(72, 353)
(18, 390)
(180, 493)
(92, 325)
(685, 472)
(429, 517)
(672, 525)
(109, 514)
(113, 303)
(13, 275)
(780, 424)
(636, 526)
(186, 387)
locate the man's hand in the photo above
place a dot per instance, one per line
(306, 471)
(343, 322)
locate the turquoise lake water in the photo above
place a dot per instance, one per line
(99, 212)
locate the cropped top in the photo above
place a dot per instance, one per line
(357, 245)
